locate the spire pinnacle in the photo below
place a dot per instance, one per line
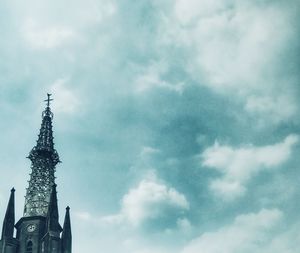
(45, 144)
(9, 219)
(48, 100)
(66, 236)
(52, 216)
(44, 158)
(47, 112)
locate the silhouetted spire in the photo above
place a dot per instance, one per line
(45, 145)
(52, 216)
(66, 237)
(43, 158)
(9, 219)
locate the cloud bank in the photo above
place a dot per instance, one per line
(239, 165)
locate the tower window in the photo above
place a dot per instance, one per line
(29, 247)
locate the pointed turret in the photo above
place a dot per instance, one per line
(52, 216)
(9, 219)
(66, 238)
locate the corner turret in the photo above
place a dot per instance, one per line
(8, 242)
(9, 219)
(66, 238)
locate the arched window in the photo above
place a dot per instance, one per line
(29, 247)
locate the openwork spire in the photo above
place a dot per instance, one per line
(43, 158)
(45, 144)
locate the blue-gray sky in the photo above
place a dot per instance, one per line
(177, 121)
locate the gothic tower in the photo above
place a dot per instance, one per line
(38, 231)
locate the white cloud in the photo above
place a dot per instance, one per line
(46, 25)
(148, 151)
(227, 189)
(151, 77)
(188, 10)
(233, 48)
(65, 98)
(238, 165)
(46, 37)
(184, 225)
(246, 234)
(277, 108)
(84, 216)
(148, 201)
(286, 241)
(95, 11)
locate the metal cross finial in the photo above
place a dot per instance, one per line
(48, 100)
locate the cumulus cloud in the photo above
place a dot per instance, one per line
(83, 215)
(66, 100)
(247, 234)
(46, 37)
(150, 200)
(286, 241)
(233, 47)
(148, 151)
(187, 11)
(152, 77)
(278, 108)
(238, 165)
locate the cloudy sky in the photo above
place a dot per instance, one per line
(177, 121)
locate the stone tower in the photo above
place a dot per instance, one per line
(38, 231)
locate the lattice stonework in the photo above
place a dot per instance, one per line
(43, 161)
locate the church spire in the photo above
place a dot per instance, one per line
(66, 237)
(45, 144)
(43, 158)
(9, 219)
(39, 229)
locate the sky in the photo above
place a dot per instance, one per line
(177, 121)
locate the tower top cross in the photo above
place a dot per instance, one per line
(48, 100)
